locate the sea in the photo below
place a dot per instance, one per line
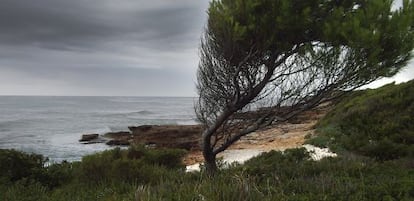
(52, 126)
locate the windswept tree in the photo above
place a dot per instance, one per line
(289, 55)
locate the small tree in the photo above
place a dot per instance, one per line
(288, 56)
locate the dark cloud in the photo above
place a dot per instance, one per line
(45, 23)
(100, 46)
(63, 24)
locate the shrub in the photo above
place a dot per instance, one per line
(170, 158)
(16, 165)
(375, 123)
(97, 167)
(59, 174)
(288, 175)
(274, 161)
(137, 164)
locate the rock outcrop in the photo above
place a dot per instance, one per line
(154, 136)
(118, 142)
(121, 138)
(92, 139)
(168, 136)
(123, 134)
(88, 137)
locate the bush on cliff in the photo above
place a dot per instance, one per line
(21, 167)
(137, 164)
(374, 122)
(16, 165)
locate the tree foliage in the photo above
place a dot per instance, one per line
(288, 56)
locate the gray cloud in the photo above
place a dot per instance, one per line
(100, 47)
(62, 23)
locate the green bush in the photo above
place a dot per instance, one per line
(97, 167)
(290, 175)
(137, 164)
(59, 174)
(294, 162)
(169, 158)
(273, 176)
(376, 123)
(16, 165)
(19, 166)
(109, 175)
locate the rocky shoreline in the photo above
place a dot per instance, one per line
(280, 136)
(158, 136)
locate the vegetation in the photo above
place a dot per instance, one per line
(288, 56)
(109, 175)
(272, 176)
(376, 123)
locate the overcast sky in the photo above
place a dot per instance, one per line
(102, 47)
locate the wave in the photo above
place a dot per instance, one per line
(103, 130)
(142, 112)
(187, 122)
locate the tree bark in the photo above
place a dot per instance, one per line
(210, 162)
(208, 154)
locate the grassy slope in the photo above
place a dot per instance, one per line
(378, 123)
(110, 176)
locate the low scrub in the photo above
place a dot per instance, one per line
(109, 173)
(273, 176)
(291, 175)
(137, 164)
(377, 123)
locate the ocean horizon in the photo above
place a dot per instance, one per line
(52, 125)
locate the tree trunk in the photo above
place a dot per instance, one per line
(210, 161)
(208, 154)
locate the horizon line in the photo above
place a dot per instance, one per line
(131, 96)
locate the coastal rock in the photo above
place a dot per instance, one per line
(92, 139)
(142, 128)
(88, 137)
(168, 136)
(118, 142)
(121, 138)
(122, 134)
(157, 136)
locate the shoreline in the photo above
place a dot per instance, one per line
(281, 136)
(278, 138)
